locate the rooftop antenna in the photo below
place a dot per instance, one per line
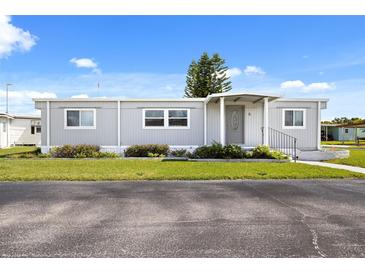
(7, 97)
(98, 86)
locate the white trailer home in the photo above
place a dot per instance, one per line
(243, 118)
(16, 130)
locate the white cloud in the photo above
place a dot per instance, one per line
(83, 62)
(13, 38)
(297, 84)
(20, 102)
(254, 70)
(80, 96)
(292, 84)
(26, 94)
(320, 86)
(232, 72)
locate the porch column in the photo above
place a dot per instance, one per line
(319, 126)
(222, 122)
(8, 132)
(266, 121)
(205, 123)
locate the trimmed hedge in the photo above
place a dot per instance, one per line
(147, 150)
(74, 151)
(179, 153)
(79, 151)
(264, 152)
(217, 151)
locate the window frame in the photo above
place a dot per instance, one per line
(294, 126)
(166, 118)
(79, 126)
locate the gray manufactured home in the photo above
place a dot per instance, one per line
(244, 118)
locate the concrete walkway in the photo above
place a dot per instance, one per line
(349, 168)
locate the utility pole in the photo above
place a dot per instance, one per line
(7, 97)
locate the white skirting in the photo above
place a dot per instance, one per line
(116, 149)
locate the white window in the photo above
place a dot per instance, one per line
(154, 118)
(166, 118)
(346, 130)
(178, 117)
(4, 127)
(294, 118)
(80, 118)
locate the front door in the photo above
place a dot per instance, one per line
(234, 124)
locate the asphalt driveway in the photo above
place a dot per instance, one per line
(183, 219)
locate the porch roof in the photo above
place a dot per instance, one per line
(244, 96)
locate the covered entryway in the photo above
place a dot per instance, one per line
(225, 116)
(235, 124)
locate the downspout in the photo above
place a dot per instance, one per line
(266, 121)
(205, 122)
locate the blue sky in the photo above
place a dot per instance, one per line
(147, 56)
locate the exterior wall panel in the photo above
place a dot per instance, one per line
(106, 125)
(306, 138)
(132, 131)
(213, 125)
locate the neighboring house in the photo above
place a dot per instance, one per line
(244, 118)
(18, 130)
(338, 132)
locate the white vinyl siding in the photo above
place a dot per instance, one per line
(80, 118)
(166, 118)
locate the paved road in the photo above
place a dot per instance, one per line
(183, 219)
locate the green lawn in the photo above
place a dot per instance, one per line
(118, 169)
(357, 158)
(17, 150)
(347, 143)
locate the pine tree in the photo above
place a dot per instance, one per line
(207, 76)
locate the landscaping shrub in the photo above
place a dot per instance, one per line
(179, 153)
(278, 155)
(233, 152)
(217, 151)
(261, 152)
(74, 151)
(214, 151)
(144, 150)
(264, 152)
